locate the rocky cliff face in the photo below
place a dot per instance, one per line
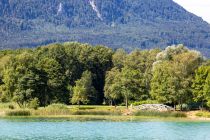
(116, 23)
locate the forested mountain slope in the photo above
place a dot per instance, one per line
(116, 23)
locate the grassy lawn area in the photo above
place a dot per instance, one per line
(91, 112)
(205, 114)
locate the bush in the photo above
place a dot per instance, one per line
(203, 114)
(18, 113)
(86, 108)
(11, 106)
(8, 105)
(208, 104)
(145, 102)
(34, 104)
(50, 111)
(57, 106)
(160, 114)
(185, 107)
(79, 112)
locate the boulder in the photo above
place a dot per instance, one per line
(154, 107)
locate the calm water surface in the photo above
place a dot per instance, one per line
(65, 130)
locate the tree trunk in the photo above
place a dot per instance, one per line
(115, 104)
(174, 106)
(79, 103)
(202, 105)
(180, 103)
(126, 102)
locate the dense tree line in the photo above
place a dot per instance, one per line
(53, 73)
(74, 73)
(127, 24)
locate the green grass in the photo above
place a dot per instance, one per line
(84, 112)
(18, 113)
(9, 105)
(96, 112)
(205, 114)
(57, 106)
(75, 110)
(160, 114)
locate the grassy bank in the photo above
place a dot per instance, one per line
(91, 113)
(98, 118)
(160, 114)
(204, 114)
(63, 110)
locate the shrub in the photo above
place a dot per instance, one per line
(34, 104)
(208, 104)
(18, 113)
(50, 111)
(160, 114)
(203, 114)
(86, 108)
(11, 106)
(8, 105)
(79, 112)
(57, 106)
(185, 107)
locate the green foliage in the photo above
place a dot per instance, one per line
(173, 73)
(111, 88)
(48, 73)
(57, 106)
(83, 90)
(96, 112)
(8, 106)
(84, 74)
(201, 82)
(130, 78)
(160, 114)
(205, 114)
(183, 107)
(154, 24)
(18, 113)
(11, 106)
(34, 103)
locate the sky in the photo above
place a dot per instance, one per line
(200, 8)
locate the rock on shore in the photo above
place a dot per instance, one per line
(154, 107)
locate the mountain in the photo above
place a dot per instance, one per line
(125, 24)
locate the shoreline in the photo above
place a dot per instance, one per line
(106, 118)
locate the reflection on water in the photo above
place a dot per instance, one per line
(65, 130)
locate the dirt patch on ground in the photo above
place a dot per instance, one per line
(2, 113)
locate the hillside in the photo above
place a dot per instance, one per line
(116, 23)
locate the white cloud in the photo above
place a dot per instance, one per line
(200, 8)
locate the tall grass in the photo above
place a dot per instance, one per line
(96, 112)
(205, 114)
(18, 113)
(57, 106)
(60, 109)
(9, 105)
(53, 109)
(160, 114)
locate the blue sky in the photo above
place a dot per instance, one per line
(200, 8)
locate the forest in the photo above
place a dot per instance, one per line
(75, 73)
(127, 24)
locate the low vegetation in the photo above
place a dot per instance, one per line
(160, 114)
(18, 113)
(205, 114)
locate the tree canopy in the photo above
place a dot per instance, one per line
(74, 73)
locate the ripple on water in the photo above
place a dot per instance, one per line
(48, 130)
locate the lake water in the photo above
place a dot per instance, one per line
(66, 130)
